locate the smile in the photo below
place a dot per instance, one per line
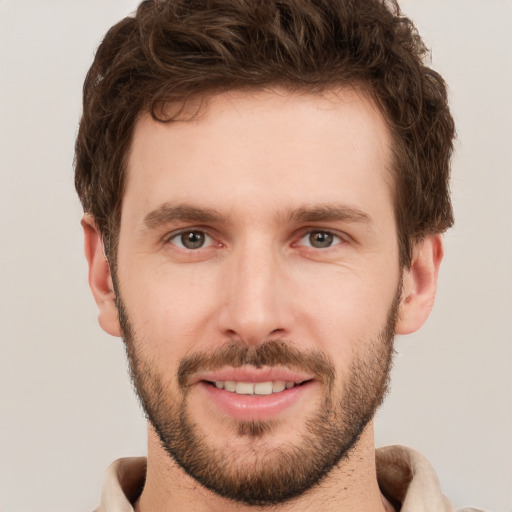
(254, 388)
(247, 394)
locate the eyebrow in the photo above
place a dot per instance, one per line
(328, 213)
(168, 212)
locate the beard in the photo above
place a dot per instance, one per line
(264, 474)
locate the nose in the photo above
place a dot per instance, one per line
(256, 303)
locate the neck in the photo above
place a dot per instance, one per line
(351, 486)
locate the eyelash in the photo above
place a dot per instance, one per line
(336, 238)
(178, 237)
(177, 240)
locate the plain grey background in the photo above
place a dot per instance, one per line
(66, 405)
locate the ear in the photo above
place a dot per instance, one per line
(100, 278)
(420, 284)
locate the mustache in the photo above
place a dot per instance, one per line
(271, 353)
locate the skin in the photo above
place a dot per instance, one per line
(258, 160)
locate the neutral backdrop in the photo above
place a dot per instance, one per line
(66, 405)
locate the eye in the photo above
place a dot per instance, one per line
(319, 239)
(192, 239)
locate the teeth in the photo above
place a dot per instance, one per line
(244, 388)
(263, 388)
(251, 388)
(280, 385)
(229, 385)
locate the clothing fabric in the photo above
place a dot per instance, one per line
(405, 477)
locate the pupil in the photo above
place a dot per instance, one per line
(192, 239)
(320, 239)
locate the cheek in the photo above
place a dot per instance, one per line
(172, 310)
(345, 310)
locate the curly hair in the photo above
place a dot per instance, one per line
(170, 51)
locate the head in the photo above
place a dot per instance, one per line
(170, 53)
(195, 115)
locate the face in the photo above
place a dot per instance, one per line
(258, 285)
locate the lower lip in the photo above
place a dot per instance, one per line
(254, 407)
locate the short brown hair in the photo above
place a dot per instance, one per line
(174, 50)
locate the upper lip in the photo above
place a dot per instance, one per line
(251, 374)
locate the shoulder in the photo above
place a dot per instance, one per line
(408, 480)
(123, 484)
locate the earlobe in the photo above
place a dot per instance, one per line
(100, 279)
(420, 284)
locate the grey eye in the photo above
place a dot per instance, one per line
(321, 239)
(192, 239)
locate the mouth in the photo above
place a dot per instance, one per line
(254, 394)
(256, 388)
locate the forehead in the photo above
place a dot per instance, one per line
(262, 147)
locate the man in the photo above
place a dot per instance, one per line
(265, 185)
